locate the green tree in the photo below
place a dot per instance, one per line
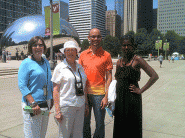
(131, 34)
(140, 37)
(174, 40)
(111, 45)
(153, 36)
(85, 44)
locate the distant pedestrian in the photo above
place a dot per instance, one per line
(22, 55)
(128, 104)
(4, 56)
(69, 93)
(169, 58)
(173, 58)
(98, 67)
(160, 58)
(34, 83)
(17, 55)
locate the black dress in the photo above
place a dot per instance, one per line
(128, 105)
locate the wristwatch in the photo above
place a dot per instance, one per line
(33, 104)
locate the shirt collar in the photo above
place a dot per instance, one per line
(98, 51)
(67, 65)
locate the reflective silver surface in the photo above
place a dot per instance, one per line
(23, 29)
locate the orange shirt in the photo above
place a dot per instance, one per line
(95, 66)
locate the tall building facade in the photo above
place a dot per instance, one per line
(119, 7)
(10, 10)
(64, 10)
(113, 23)
(171, 16)
(87, 14)
(138, 14)
(154, 18)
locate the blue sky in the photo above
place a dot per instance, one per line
(110, 4)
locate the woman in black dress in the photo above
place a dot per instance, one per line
(128, 110)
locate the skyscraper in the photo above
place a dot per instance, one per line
(138, 14)
(171, 16)
(119, 7)
(64, 10)
(113, 23)
(87, 14)
(10, 10)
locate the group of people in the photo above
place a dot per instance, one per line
(75, 88)
(6, 55)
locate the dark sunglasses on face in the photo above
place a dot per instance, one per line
(93, 37)
(126, 45)
(40, 45)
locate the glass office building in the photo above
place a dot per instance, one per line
(87, 14)
(10, 10)
(119, 7)
(171, 16)
(138, 14)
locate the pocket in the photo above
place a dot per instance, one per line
(64, 110)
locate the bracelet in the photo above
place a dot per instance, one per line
(33, 104)
(57, 113)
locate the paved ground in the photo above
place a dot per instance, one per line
(163, 104)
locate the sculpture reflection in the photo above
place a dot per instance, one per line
(23, 29)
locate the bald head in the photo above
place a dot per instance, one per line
(95, 37)
(94, 30)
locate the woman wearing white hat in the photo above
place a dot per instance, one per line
(69, 86)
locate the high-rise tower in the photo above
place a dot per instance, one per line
(87, 14)
(171, 16)
(119, 7)
(10, 10)
(138, 14)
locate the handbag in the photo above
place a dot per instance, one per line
(112, 91)
(111, 98)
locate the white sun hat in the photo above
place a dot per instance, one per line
(70, 44)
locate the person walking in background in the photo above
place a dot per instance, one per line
(17, 55)
(97, 64)
(34, 77)
(69, 92)
(22, 55)
(169, 58)
(173, 58)
(128, 104)
(160, 58)
(4, 56)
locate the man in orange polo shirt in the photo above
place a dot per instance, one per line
(98, 66)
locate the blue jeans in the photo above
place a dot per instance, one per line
(95, 102)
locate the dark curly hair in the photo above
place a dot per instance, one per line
(128, 38)
(33, 41)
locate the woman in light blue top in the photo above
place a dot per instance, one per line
(34, 83)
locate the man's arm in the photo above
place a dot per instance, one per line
(107, 83)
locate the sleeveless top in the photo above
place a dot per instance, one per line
(127, 73)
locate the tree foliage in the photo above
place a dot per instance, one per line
(145, 42)
(85, 44)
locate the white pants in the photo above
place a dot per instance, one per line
(72, 122)
(36, 126)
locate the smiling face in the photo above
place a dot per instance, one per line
(127, 47)
(70, 53)
(95, 37)
(38, 48)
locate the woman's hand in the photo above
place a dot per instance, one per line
(104, 102)
(134, 89)
(52, 103)
(58, 117)
(86, 109)
(36, 110)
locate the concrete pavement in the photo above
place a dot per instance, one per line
(163, 104)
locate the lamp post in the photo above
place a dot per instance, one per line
(158, 44)
(166, 47)
(51, 36)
